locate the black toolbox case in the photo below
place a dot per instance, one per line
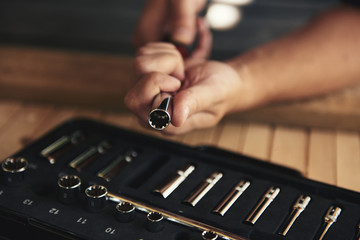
(31, 206)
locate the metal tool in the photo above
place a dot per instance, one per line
(230, 199)
(299, 206)
(357, 233)
(265, 201)
(208, 235)
(96, 197)
(125, 212)
(204, 188)
(120, 162)
(69, 188)
(330, 217)
(155, 222)
(61, 145)
(159, 118)
(175, 181)
(13, 170)
(89, 155)
(176, 218)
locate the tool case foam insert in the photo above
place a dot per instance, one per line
(30, 205)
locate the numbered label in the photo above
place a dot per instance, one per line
(54, 211)
(82, 220)
(28, 202)
(110, 230)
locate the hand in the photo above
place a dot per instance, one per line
(210, 90)
(203, 91)
(160, 18)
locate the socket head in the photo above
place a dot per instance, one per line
(13, 170)
(159, 119)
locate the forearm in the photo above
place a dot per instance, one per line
(322, 56)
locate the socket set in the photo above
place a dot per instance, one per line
(90, 180)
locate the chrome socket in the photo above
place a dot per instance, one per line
(125, 212)
(96, 197)
(208, 235)
(69, 188)
(13, 170)
(155, 222)
(159, 118)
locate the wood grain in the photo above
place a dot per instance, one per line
(20, 128)
(100, 81)
(232, 136)
(289, 147)
(64, 77)
(322, 156)
(328, 156)
(258, 141)
(348, 159)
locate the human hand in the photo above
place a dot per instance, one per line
(161, 18)
(203, 91)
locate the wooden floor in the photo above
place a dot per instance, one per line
(330, 156)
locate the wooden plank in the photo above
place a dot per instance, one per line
(289, 147)
(16, 133)
(119, 119)
(258, 141)
(101, 81)
(232, 135)
(7, 109)
(64, 77)
(207, 136)
(322, 156)
(348, 159)
(337, 110)
(55, 117)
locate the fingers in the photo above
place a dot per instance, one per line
(204, 42)
(197, 121)
(140, 99)
(151, 24)
(183, 19)
(159, 57)
(191, 101)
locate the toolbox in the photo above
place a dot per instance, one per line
(90, 180)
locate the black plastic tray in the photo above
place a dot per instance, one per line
(32, 208)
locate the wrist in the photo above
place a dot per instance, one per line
(252, 92)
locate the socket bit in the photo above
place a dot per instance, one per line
(299, 206)
(331, 217)
(203, 189)
(230, 199)
(175, 181)
(159, 118)
(260, 208)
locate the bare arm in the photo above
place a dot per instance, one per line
(318, 58)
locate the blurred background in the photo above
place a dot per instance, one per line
(107, 26)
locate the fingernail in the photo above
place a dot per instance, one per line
(182, 35)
